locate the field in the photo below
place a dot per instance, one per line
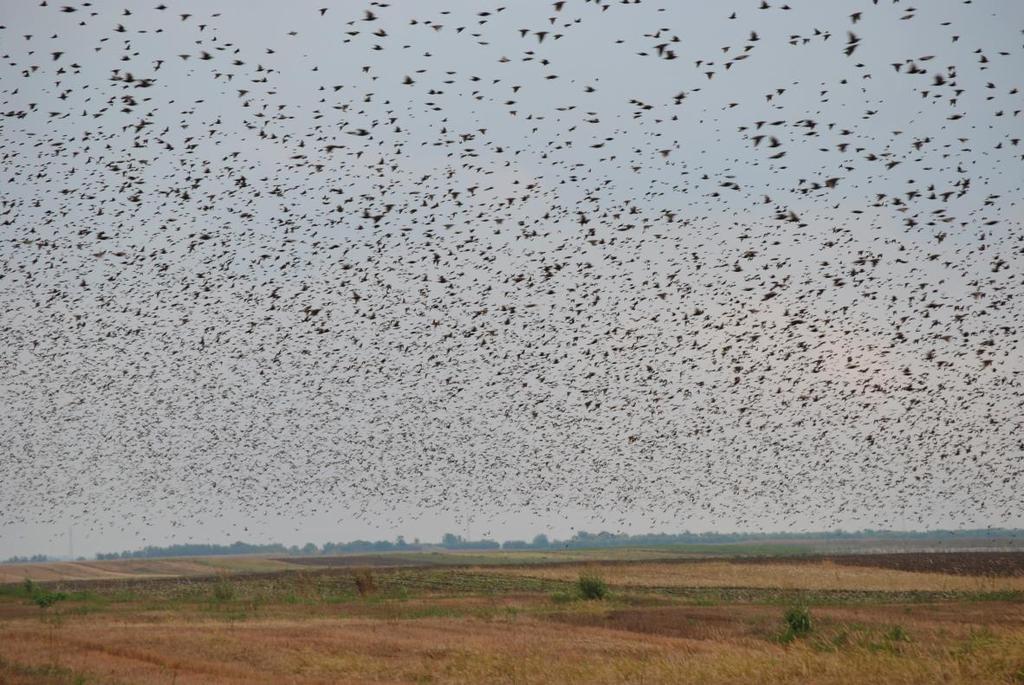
(679, 615)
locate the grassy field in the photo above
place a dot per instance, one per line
(138, 568)
(199, 566)
(665, 617)
(826, 575)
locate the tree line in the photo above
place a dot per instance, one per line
(581, 539)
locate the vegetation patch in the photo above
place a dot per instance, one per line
(366, 583)
(592, 586)
(797, 621)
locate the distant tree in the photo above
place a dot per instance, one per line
(196, 550)
(581, 539)
(452, 541)
(34, 559)
(310, 549)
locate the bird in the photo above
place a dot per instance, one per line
(694, 265)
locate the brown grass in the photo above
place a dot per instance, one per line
(453, 626)
(365, 583)
(654, 645)
(804, 576)
(138, 568)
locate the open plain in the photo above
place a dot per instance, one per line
(656, 616)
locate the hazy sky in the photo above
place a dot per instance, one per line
(228, 317)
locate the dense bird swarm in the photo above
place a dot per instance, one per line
(749, 262)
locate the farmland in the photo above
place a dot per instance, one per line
(666, 616)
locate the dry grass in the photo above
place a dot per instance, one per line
(138, 568)
(730, 645)
(494, 625)
(200, 566)
(803, 576)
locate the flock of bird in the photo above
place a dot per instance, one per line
(749, 263)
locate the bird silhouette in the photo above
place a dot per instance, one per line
(657, 262)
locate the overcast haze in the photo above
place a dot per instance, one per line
(373, 271)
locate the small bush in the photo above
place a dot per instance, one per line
(562, 597)
(798, 622)
(45, 598)
(40, 596)
(366, 584)
(592, 586)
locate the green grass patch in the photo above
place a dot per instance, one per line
(591, 586)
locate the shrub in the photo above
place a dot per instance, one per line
(45, 598)
(40, 596)
(592, 586)
(366, 584)
(798, 622)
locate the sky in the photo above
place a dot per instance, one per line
(409, 268)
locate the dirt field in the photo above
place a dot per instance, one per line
(956, 563)
(706, 621)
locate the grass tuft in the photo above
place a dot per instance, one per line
(798, 624)
(592, 586)
(897, 634)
